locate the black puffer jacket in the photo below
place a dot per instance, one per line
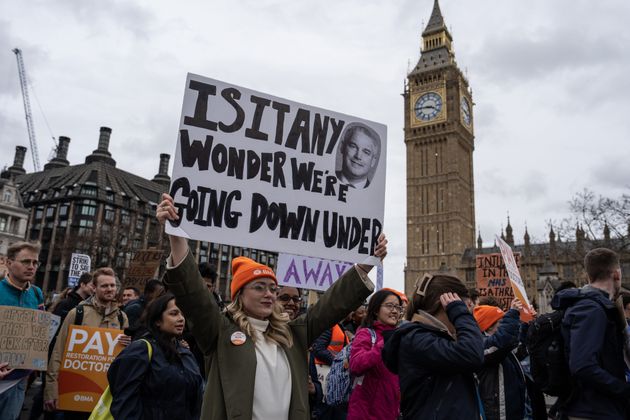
(435, 371)
(154, 390)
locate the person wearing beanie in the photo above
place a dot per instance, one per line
(502, 386)
(258, 357)
(487, 317)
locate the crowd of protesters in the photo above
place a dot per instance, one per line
(440, 353)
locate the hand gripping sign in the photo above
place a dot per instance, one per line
(515, 279)
(259, 171)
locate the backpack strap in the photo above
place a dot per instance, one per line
(78, 318)
(149, 348)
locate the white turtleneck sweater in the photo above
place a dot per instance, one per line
(272, 387)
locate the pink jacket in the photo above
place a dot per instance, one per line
(378, 396)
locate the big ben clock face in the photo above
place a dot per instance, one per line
(465, 108)
(428, 106)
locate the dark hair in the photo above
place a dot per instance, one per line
(152, 314)
(151, 286)
(374, 305)
(85, 278)
(567, 284)
(473, 293)
(430, 302)
(600, 263)
(208, 271)
(489, 301)
(135, 290)
(625, 298)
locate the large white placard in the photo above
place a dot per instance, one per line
(259, 171)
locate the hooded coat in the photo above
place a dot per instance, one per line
(377, 396)
(592, 330)
(232, 375)
(435, 370)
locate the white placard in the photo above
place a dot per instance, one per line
(259, 171)
(513, 272)
(79, 264)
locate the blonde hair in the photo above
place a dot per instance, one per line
(278, 329)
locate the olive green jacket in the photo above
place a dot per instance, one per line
(230, 389)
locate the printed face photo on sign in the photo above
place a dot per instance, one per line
(358, 155)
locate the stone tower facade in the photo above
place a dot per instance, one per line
(440, 143)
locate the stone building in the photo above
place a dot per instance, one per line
(440, 143)
(543, 266)
(13, 214)
(98, 209)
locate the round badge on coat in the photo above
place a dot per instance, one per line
(238, 338)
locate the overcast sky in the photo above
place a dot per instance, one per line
(549, 82)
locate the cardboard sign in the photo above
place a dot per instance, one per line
(259, 171)
(24, 337)
(79, 264)
(88, 353)
(515, 279)
(493, 280)
(144, 267)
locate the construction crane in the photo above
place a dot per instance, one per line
(27, 109)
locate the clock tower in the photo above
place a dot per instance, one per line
(440, 143)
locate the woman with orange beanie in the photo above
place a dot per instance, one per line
(258, 357)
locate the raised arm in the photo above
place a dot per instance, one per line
(184, 281)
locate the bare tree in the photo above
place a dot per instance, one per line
(598, 216)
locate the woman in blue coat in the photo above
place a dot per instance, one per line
(166, 384)
(437, 352)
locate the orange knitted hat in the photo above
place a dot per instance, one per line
(401, 295)
(245, 270)
(487, 315)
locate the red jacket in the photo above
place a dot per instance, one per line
(378, 395)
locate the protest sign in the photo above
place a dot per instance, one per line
(493, 280)
(308, 272)
(88, 353)
(144, 267)
(258, 171)
(79, 264)
(514, 274)
(24, 337)
(314, 273)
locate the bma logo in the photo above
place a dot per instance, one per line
(84, 398)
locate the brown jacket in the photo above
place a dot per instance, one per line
(93, 316)
(230, 389)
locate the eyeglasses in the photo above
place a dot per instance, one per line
(27, 263)
(392, 307)
(262, 288)
(286, 298)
